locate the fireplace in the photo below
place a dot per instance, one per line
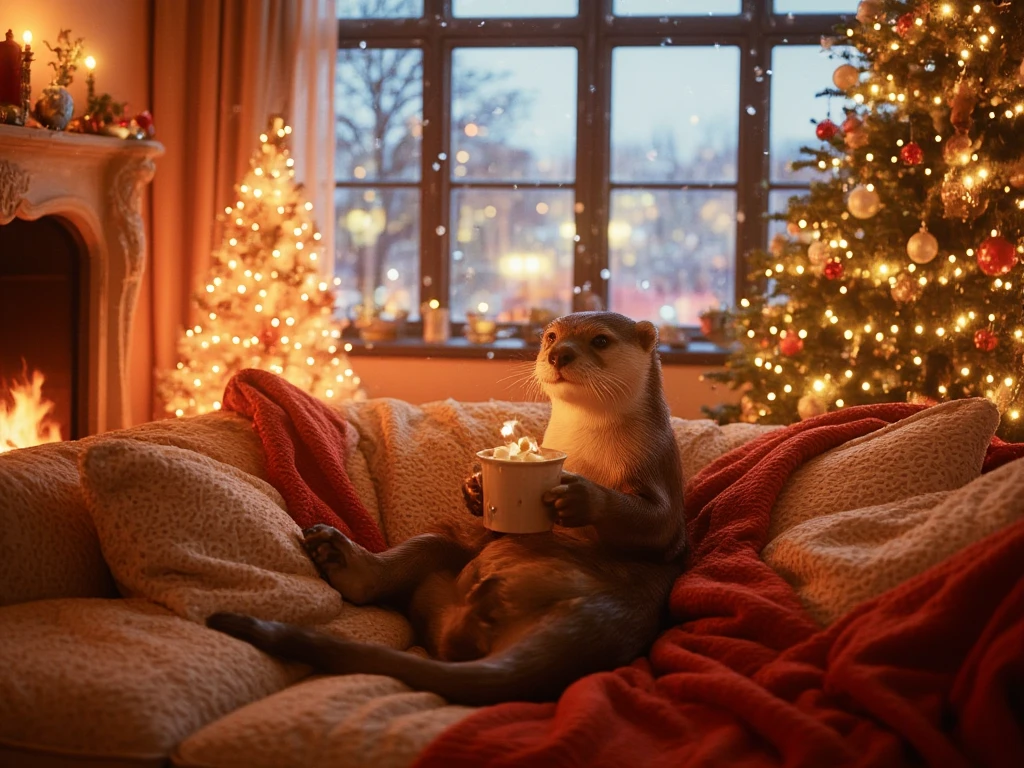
(42, 313)
(72, 252)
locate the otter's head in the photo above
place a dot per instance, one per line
(596, 359)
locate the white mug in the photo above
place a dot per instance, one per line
(513, 491)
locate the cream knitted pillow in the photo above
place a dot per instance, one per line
(937, 449)
(198, 536)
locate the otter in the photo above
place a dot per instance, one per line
(508, 617)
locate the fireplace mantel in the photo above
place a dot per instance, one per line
(95, 184)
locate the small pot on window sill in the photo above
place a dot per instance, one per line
(480, 329)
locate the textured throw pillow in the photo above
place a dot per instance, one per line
(198, 536)
(937, 449)
(702, 441)
(837, 561)
(325, 721)
(118, 682)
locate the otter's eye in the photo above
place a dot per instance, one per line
(551, 337)
(599, 342)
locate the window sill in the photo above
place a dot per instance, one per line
(701, 353)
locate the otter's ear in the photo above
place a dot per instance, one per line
(647, 335)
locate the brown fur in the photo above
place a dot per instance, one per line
(520, 617)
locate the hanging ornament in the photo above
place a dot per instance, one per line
(985, 340)
(846, 77)
(863, 202)
(791, 345)
(922, 247)
(826, 130)
(905, 289)
(1016, 175)
(868, 11)
(958, 149)
(854, 135)
(996, 256)
(810, 406)
(911, 153)
(961, 106)
(793, 228)
(833, 270)
(817, 253)
(905, 24)
(1020, 73)
(959, 201)
(777, 247)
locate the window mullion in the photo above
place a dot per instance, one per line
(433, 186)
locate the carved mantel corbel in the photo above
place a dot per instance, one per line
(14, 181)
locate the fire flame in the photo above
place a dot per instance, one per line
(27, 422)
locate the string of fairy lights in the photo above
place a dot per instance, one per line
(266, 303)
(831, 243)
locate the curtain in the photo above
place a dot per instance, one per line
(220, 69)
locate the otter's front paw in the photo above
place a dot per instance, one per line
(573, 503)
(473, 493)
(346, 566)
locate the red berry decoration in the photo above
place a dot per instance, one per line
(905, 24)
(791, 345)
(985, 340)
(833, 270)
(912, 154)
(996, 256)
(826, 130)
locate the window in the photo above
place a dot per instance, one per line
(507, 157)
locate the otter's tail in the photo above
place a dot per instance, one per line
(537, 668)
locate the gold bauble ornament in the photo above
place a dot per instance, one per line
(868, 11)
(960, 201)
(905, 289)
(958, 149)
(818, 253)
(922, 247)
(846, 77)
(863, 202)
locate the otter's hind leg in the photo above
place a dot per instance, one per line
(574, 640)
(364, 577)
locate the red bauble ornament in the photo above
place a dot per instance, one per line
(996, 256)
(144, 119)
(912, 154)
(791, 345)
(905, 24)
(833, 270)
(826, 130)
(985, 340)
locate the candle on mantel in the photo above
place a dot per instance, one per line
(10, 71)
(90, 80)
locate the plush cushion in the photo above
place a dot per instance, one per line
(837, 561)
(48, 545)
(198, 536)
(117, 682)
(701, 441)
(938, 449)
(324, 721)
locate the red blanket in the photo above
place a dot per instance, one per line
(925, 673)
(305, 450)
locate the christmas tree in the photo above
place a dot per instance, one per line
(897, 277)
(266, 303)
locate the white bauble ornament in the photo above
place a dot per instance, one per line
(809, 406)
(846, 77)
(818, 253)
(922, 247)
(863, 202)
(868, 10)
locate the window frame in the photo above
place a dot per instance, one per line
(595, 33)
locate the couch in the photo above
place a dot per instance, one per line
(114, 548)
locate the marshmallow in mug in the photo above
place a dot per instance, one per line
(524, 449)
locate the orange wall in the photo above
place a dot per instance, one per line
(420, 381)
(117, 33)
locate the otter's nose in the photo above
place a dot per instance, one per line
(561, 356)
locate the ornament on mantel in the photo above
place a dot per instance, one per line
(833, 270)
(985, 340)
(846, 77)
(863, 202)
(911, 153)
(826, 130)
(996, 256)
(905, 289)
(922, 247)
(810, 406)
(55, 106)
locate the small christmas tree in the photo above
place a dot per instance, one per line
(898, 278)
(266, 303)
